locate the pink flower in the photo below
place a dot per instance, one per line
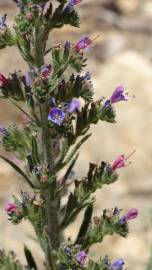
(72, 3)
(120, 161)
(46, 71)
(29, 16)
(132, 214)
(10, 207)
(83, 43)
(3, 79)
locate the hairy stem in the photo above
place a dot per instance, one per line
(51, 203)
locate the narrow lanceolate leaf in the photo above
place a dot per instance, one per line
(30, 260)
(75, 149)
(35, 155)
(73, 207)
(11, 163)
(70, 169)
(85, 224)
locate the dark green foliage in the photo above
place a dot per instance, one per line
(29, 258)
(62, 16)
(35, 155)
(13, 88)
(6, 39)
(17, 140)
(85, 224)
(75, 87)
(68, 171)
(64, 56)
(80, 198)
(108, 224)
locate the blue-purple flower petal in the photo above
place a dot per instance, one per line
(117, 265)
(56, 116)
(118, 95)
(74, 105)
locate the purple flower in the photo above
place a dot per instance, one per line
(46, 71)
(3, 130)
(87, 76)
(68, 251)
(118, 95)
(123, 220)
(117, 265)
(3, 21)
(83, 43)
(131, 214)
(74, 105)
(56, 116)
(72, 3)
(81, 257)
(10, 207)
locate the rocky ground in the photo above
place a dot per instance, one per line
(119, 56)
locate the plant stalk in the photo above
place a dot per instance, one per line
(51, 203)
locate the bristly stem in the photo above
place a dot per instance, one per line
(51, 203)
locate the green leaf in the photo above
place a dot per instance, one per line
(73, 208)
(29, 258)
(85, 224)
(7, 39)
(11, 163)
(108, 224)
(75, 149)
(13, 88)
(35, 155)
(70, 169)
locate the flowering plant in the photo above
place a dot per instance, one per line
(59, 109)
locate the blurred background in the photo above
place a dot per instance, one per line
(122, 54)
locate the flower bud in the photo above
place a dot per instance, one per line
(10, 207)
(3, 80)
(132, 214)
(29, 16)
